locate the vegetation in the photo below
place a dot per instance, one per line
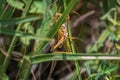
(59, 39)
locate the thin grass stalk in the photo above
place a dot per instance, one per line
(74, 52)
(25, 69)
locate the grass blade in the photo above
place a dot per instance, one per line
(19, 20)
(78, 56)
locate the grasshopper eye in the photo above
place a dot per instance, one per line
(63, 27)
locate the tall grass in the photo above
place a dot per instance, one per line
(27, 28)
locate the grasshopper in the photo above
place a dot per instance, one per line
(62, 40)
(62, 36)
